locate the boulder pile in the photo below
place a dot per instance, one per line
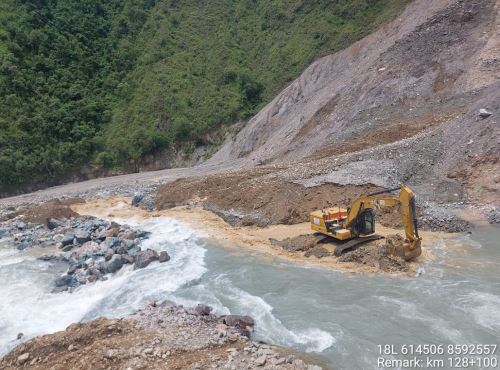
(91, 246)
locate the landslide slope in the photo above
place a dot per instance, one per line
(400, 105)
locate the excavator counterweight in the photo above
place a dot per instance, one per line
(357, 223)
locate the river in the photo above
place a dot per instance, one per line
(340, 317)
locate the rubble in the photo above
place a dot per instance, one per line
(160, 336)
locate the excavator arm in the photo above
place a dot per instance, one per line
(406, 203)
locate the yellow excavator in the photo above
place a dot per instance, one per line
(356, 224)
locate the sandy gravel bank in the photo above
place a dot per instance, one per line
(251, 239)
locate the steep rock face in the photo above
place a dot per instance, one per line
(405, 100)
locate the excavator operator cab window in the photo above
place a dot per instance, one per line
(366, 222)
(369, 222)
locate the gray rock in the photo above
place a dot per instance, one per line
(127, 259)
(23, 245)
(494, 216)
(203, 310)
(141, 234)
(483, 113)
(47, 258)
(238, 321)
(86, 250)
(21, 225)
(136, 199)
(109, 254)
(260, 361)
(112, 242)
(53, 223)
(68, 239)
(82, 236)
(128, 244)
(23, 358)
(59, 289)
(67, 248)
(133, 251)
(164, 257)
(65, 280)
(115, 263)
(102, 266)
(128, 235)
(3, 232)
(144, 258)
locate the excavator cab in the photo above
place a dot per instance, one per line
(365, 222)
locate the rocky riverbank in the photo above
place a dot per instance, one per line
(291, 242)
(92, 247)
(160, 336)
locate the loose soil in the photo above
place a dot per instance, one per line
(259, 198)
(157, 337)
(40, 214)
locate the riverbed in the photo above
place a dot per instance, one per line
(338, 316)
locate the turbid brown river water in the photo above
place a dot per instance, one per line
(338, 316)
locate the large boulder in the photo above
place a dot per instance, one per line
(244, 324)
(238, 321)
(127, 259)
(203, 310)
(136, 199)
(128, 235)
(112, 242)
(82, 236)
(144, 258)
(109, 254)
(164, 257)
(65, 280)
(115, 264)
(53, 223)
(68, 239)
(86, 250)
(129, 244)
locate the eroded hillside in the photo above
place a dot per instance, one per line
(403, 104)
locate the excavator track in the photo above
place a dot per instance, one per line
(351, 244)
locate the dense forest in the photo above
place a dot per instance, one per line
(101, 82)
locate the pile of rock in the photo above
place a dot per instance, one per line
(98, 247)
(93, 247)
(26, 235)
(163, 336)
(494, 216)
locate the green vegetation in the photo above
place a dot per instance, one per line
(103, 82)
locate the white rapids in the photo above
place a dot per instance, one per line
(339, 317)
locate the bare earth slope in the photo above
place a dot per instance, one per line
(405, 100)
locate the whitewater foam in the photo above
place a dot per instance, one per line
(484, 308)
(269, 327)
(29, 307)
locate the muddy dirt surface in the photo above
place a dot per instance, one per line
(301, 243)
(259, 198)
(41, 213)
(375, 254)
(158, 337)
